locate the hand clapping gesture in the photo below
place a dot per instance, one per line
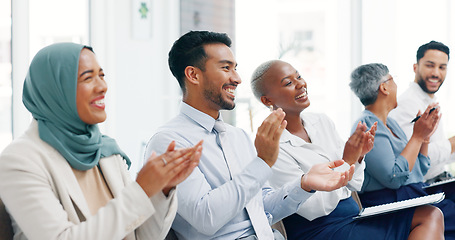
(164, 172)
(322, 177)
(425, 126)
(360, 143)
(268, 137)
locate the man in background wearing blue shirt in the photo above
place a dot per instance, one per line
(226, 196)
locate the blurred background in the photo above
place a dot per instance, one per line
(325, 40)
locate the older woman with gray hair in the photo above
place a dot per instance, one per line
(395, 166)
(367, 81)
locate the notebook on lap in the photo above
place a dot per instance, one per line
(447, 186)
(395, 206)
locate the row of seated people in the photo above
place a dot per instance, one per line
(63, 179)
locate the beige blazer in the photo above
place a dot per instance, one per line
(44, 199)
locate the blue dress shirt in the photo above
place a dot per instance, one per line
(211, 202)
(385, 167)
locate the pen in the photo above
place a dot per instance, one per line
(417, 118)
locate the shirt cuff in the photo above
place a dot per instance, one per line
(140, 207)
(160, 201)
(359, 166)
(344, 167)
(402, 168)
(296, 193)
(139, 194)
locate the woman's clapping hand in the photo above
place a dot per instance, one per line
(165, 171)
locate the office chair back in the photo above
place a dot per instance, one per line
(6, 230)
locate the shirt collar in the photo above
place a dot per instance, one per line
(311, 124)
(204, 120)
(368, 113)
(295, 141)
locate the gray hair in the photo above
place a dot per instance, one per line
(365, 81)
(257, 79)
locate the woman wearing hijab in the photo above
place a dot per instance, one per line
(395, 166)
(311, 138)
(63, 179)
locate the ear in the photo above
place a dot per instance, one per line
(415, 67)
(266, 101)
(383, 89)
(193, 75)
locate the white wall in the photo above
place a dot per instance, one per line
(19, 61)
(142, 93)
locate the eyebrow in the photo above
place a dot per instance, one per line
(228, 62)
(88, 71)
(428, 61)
(297, 72)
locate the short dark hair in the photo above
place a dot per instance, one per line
(258, 79)
(188, 50)
(432, 45)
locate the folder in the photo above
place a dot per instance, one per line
(396, 206)
(447, 186)
(440, 183)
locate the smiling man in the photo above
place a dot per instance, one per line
(430, 73)
(226, 196)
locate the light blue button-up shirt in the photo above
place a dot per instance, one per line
(385, 166)
(211, 202)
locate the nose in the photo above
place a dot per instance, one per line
(235, 77)
(101, 85)
(300, 84)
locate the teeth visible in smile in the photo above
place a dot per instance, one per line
(433, 80)
(99, 102)
(304, 94)
(230, 90)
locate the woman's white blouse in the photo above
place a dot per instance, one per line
(297, 156)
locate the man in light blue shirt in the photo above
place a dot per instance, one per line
(226, 196)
